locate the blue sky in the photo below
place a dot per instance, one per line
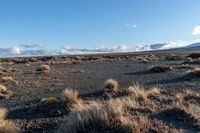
(93, 23)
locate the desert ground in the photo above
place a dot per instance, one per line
(143, 92)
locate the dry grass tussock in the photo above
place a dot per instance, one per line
(154, 91)
(142, 94)
(4, 92)
(6, 126)
(43, 68)
(3, 112)
(7, 70)
(183, 98)
(9, 79)
(71, 97)
(3, 89)
(111, 85)
(3, 69)
(99, 116)
(138, 92)
(113, 115)
(180, 104)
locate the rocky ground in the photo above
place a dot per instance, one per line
(35, 85)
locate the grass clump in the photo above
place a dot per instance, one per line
(109, 116)
(3, 89)
(111, 85)
(4, 92)
(71, 98)
(154, 91)
(7, 126)
(9, 79)
(97, 117)
(3, 112)
(43, 68)
(138, 92)
(141, 94)
(180, 104)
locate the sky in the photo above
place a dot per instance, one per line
(110, 25)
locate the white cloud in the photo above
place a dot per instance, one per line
(15, 50)
(30, 50)
(102, 49)
(131, 25)
(12, 51)
(196, 30)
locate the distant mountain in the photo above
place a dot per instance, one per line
(168, 46)
(193, 45)
(158, 46)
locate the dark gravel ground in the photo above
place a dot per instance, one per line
(85, 77)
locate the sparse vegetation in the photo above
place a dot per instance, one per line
(138, 91)
(43, 68)
(110, 116)
(3, 112)
(2, 69)
(71, 97)
(111, 85)
(9, 79)
(39, 103)
(4, 92)
(3, 89)
(6, 126)
(154, 91)
(50, 100)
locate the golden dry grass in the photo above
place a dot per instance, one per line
(44, 68)
(7, 126)
(107, 114)
(112, 85)
(138, 92)
(71, 97)
(3, 112)
(142, 94)
(180, 100)
(3, 89)
(2, 69)
(154, 91)
(9, 79)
